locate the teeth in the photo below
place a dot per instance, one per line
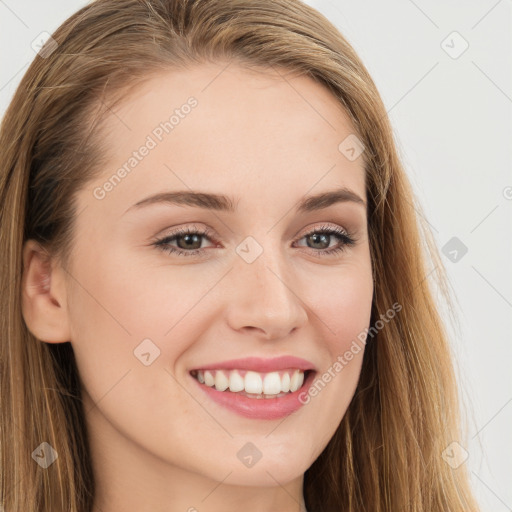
(297, 380)
(253, 383)
(269, 385)
(209, 380)
(285, 383)
(236, 382)
(221, 381)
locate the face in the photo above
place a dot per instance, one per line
(259, 287)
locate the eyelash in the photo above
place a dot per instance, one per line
(347, 240)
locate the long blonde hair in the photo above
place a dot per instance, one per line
(386, 454)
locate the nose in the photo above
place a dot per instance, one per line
(264, 299)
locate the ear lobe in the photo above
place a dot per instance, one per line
(44, 295)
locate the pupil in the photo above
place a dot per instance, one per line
(195, 238)
(316, 238)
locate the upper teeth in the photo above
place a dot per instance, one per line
(271, 383)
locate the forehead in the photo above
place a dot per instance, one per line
(220, 126)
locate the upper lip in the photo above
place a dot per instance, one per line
(259, 364)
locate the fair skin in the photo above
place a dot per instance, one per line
(158, 442)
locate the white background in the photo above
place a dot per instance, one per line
(452, 123)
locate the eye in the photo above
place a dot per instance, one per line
(322, 237)
(188, 241)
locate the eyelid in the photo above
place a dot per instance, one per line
(324, 226)
(184, 230)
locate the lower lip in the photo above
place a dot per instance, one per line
(258, 408)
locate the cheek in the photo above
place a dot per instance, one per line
(352, 310)
(344, 306)
(129, 300)
(125, 313)
(344, 314)
(120, 314)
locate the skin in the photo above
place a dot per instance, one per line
(158, 442)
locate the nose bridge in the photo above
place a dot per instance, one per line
(264, 295)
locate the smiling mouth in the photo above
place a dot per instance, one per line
(253, 384)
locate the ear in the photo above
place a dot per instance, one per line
(44, 295)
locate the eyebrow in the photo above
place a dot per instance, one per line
(220, 202)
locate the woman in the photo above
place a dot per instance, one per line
(215, 287)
